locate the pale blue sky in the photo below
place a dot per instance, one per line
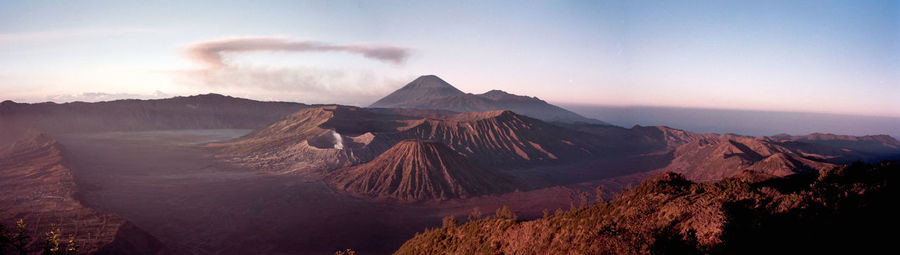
(816, 56)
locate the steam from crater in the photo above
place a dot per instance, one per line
(338, 141)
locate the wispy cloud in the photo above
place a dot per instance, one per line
(210, 52)
(294, 83)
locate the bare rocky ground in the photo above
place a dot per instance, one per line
(168, 184)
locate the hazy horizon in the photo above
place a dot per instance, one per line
(750, 122)
(93, 97)
(800, 56)
(742, 122)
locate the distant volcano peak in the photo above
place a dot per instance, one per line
(429, 81)
(426, 86)
(431, 92)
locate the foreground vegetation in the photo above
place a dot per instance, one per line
(16, 240)
(841, 210)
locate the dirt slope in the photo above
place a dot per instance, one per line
(416, 170)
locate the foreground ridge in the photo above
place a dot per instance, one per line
(844, 209)
(40, 189)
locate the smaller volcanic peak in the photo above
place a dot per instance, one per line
(497, 94)
(500, 95)
(471, 116)
(417, 170)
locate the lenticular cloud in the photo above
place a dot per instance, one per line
(210, 52)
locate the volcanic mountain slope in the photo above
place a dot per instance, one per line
(844, 148)
(194, 112)
(708, 157)
(39, 189)
(415, 170)
(313, 139)
(431, 92)
(639, 139)
(426, 86)
(839, 210)
(325, 138)
(705, 157)
(505, 139)
(721, 157)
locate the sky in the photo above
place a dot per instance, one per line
(799, 56)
